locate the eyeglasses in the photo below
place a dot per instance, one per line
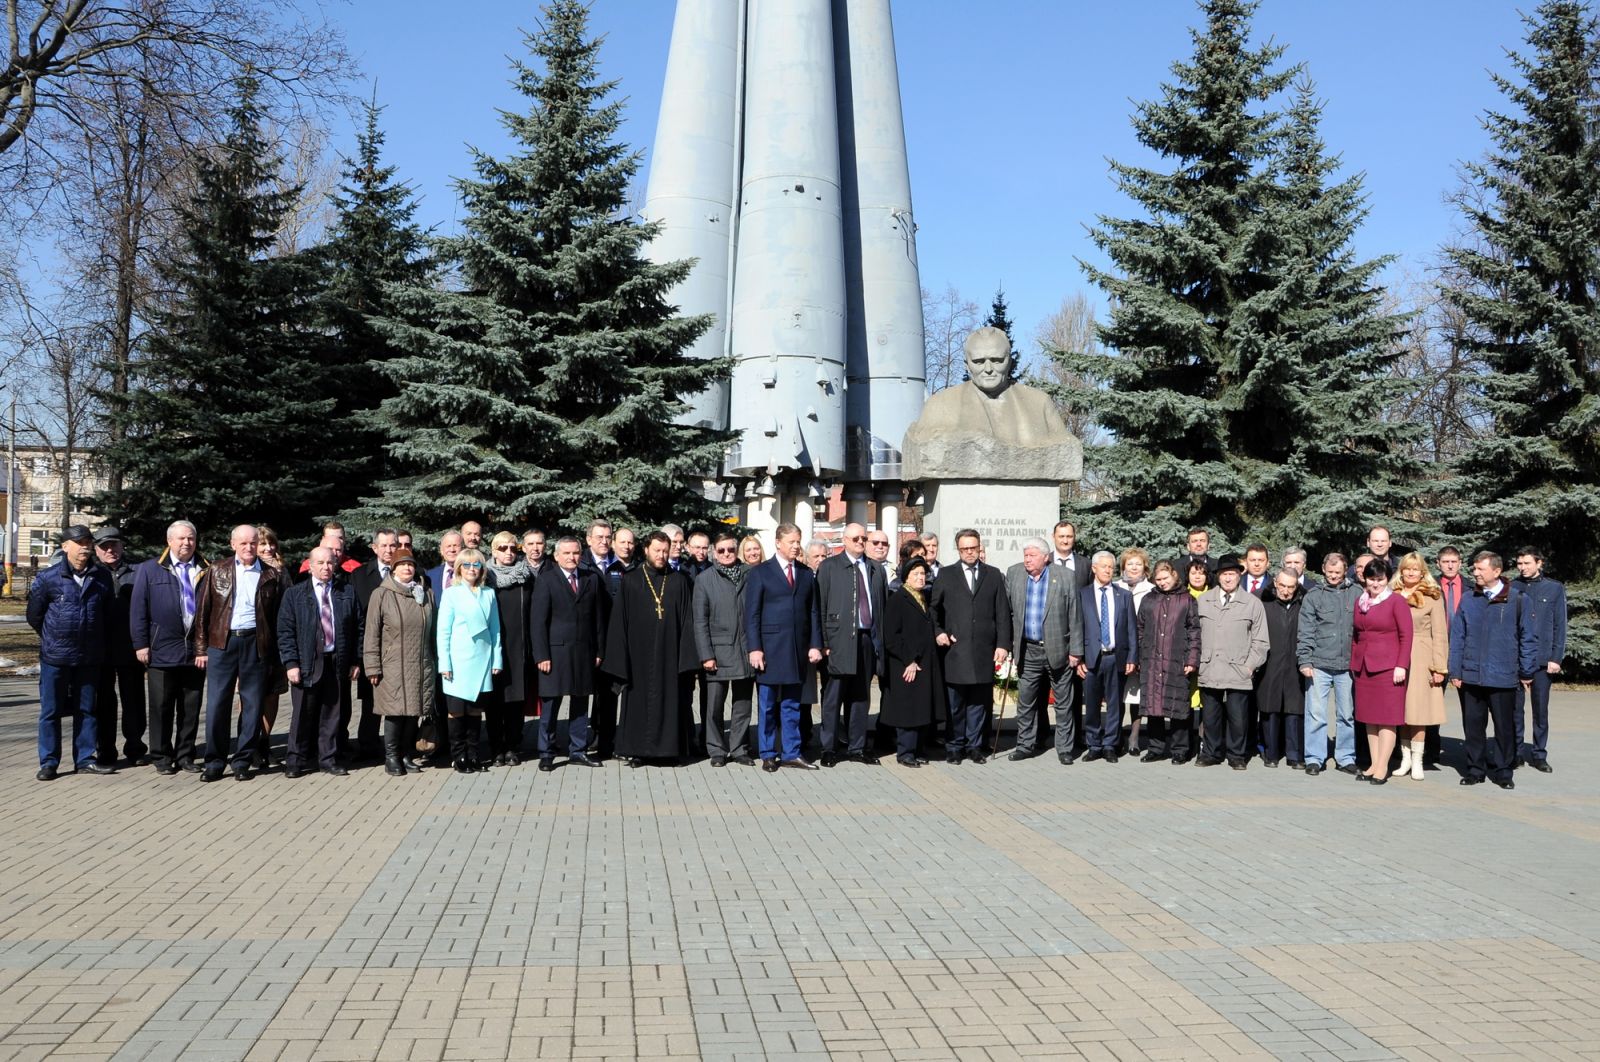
(472, 564)
(855, 538)
(506, 546)
(879, 541)
(967, 549)
(727, 549)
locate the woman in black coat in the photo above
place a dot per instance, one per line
(916, 695)
(507, 707)
(1169, 652)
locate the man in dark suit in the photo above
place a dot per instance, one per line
(783, 630)
(441, 575)
(364, 580)
(1108, 653)
(159, 620)
(569, 612)
(320, 628)
(1453, 588)
(1068, 556)
(850, 595)
(1198, 542)
(122, 673)
(1046, 636)
(972, 620)
(608, 567)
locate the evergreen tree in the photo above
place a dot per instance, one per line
(226, 416)
(373, 244)
(1530, 285)
(1000, 317)
(547, 387)
(1327, 463)
(1188, 284)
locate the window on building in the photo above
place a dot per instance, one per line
(77, 467)
(39, 544)
(40, 503)
(41, 467)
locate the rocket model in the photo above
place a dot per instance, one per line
(780, 167)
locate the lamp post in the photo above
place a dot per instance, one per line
(11, 504)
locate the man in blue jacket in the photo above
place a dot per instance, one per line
(783, 631)
(1110, 647)
(1547, 616)
(1491, 651)
(160, 618)
(69, 607)
(320, 628)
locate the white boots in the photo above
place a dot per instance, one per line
(1417, 745)
(1405, 759)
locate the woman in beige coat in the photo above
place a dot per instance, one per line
(398, 659)
(1430, 658)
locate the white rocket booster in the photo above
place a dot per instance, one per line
(823, 311)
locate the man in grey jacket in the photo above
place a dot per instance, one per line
(1326, 619)
(1233, 644)
(1047, 642)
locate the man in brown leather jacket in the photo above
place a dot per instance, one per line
(235, 641)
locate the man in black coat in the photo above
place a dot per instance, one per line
(972, 618)
(566, 629)
(122, 673)
(609, 566)
(850, 594)
(364, 580)
(320, 630)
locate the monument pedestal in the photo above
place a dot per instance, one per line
(1007, 515)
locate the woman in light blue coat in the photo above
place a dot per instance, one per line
(468, 639)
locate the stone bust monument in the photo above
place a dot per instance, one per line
(990, 428)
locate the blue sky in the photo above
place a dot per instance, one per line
(1012, 108)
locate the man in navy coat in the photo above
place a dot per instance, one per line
(160, 620)
(1110, 647)
(783, 630)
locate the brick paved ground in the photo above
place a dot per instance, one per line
(992, 912)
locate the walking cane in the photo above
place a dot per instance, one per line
(1005, 695)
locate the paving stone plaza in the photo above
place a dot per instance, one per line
(972, 912)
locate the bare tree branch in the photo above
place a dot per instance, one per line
(947, 320)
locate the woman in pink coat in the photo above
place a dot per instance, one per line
(1380, 654)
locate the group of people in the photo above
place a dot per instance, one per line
(1204, 659)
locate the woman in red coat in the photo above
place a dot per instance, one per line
(1380, 653)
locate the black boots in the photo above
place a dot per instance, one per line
(391, 747)
(408, 742)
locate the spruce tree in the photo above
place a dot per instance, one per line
(547, 387)
(227, 414)
(1529, 282)
(1327, 463)
(1187, 282)
(1000, 317)
(373, 244)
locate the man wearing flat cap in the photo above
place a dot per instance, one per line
(69, 607)
(122, 676)
(1233, 644)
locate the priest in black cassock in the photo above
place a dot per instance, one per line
(650, 651)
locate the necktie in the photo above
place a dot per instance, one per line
(449, 573)
(383, 572)
(1226, 597)
(788, 573)
(186, 587)
(1105, 618)
(572, 578)
(972, 578)
(863, 601)
(327, 615)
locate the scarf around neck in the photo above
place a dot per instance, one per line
(507, 575)
(734, 573)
